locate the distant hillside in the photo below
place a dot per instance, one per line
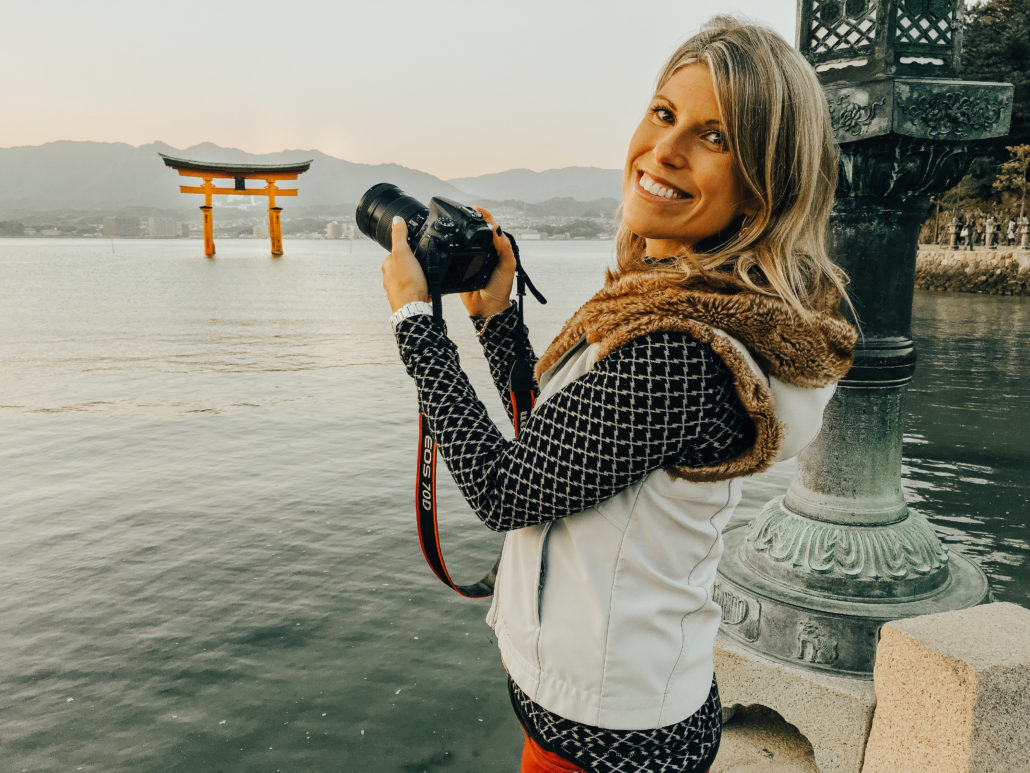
(112, 176)
(583, 183)
(556, 207)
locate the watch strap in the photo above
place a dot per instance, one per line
(409, 310)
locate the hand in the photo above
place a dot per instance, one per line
(496, 296)
(403, 279)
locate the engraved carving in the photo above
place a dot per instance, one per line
(815, 644)
(851, 117)
(900, 552)
(953, 113)
(897, 168)
(739, 610)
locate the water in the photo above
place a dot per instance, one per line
(208, 557)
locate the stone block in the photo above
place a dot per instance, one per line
(831, 713)
(953, 693)
(759, 741)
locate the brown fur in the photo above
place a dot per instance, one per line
(810, 352)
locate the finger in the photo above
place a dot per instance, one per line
(501, 242)
(399, 234)
(503, 246)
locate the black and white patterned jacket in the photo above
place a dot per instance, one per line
(664, 399)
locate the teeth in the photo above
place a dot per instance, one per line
(649, 184)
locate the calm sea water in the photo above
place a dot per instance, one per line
(208, 560)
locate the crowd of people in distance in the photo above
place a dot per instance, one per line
(974, 229)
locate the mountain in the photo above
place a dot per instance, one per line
(113, 176)
(583, 183)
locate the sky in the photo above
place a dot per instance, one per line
(452, 88)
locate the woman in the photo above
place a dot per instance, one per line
(709, 354)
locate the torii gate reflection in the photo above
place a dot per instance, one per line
(239, 173)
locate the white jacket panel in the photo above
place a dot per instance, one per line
(606, 616)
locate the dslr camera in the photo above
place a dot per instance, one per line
(452, 242)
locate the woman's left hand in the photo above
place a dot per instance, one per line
(403, 279)
(495, 297)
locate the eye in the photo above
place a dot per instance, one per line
(715, 137)
(663, 114)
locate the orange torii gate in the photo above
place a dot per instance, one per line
(239, 173)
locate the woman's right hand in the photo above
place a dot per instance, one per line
(496, 296)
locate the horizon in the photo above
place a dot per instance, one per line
(301, 151)
(473, 91)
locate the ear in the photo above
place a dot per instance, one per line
(750, 203)
(749, 207)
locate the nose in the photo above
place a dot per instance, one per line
(669, 150)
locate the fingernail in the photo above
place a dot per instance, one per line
(397, 219)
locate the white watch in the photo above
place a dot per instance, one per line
(409, 310)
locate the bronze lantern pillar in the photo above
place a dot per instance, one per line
(811, 579)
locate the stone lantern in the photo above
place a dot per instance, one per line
(807, 584)
(990, 225)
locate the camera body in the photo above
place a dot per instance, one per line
(452, 242)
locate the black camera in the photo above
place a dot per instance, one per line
(452, 242)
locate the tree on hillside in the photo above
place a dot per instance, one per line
(1014, 174)
(996, 47)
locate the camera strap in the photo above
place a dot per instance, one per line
(523, 391)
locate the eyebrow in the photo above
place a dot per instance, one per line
(710, 122)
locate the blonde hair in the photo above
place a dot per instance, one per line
(778, 131)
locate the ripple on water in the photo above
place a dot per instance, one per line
(208, 557)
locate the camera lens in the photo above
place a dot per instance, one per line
(378, 207)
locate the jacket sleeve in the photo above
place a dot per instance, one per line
(504, 340)
(662, 399)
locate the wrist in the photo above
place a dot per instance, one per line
(489, 310)
(403, 299)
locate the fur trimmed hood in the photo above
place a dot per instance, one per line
(806, 353)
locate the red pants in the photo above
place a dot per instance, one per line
(536, 760)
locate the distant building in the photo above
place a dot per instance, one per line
(163, 228)
(121, 227)
(333, 230)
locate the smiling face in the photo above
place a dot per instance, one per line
(680, 185)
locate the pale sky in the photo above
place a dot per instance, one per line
(451, 87)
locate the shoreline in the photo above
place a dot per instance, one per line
(1001, 271)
